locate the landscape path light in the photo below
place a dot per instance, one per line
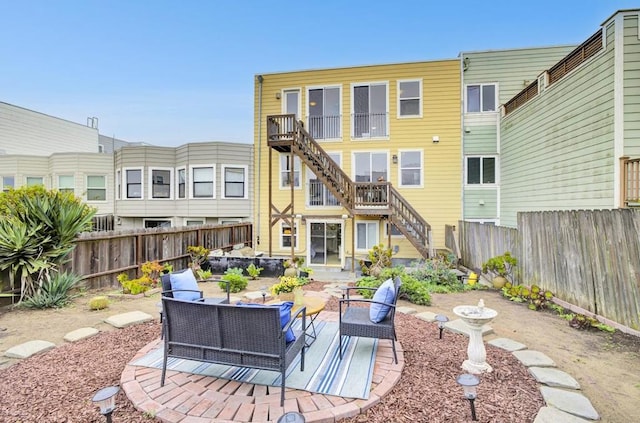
(105, 398)
(263, 291)
(469, 383)
(441, 319)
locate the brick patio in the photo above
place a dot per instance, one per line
(189, 398)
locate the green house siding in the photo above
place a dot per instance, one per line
(480, 140)
(557, 150)
(480, 203)
(631, 87)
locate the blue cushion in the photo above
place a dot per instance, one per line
(184, 280)
(285, 316)
(385, 294)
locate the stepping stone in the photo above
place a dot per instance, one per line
(507, 344)
(405, 310)
(127, 319)
(534, 359)
(427, 316)
(255, 295)
(459, 326)
(554, 377)
(553, 415)
(81, 333)
(570, 402)
(28, 349)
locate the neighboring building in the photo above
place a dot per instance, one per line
(564, 140)
(193, 184)
(140, 185)
(376, 144)
(490, 79)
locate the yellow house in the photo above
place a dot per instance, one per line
(348, 158)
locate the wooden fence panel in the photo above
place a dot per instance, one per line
(588, 258)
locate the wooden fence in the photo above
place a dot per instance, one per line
(100, 256)
(588, 258)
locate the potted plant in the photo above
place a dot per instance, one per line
(292, 265)
(305, 272)
(284, 289)
(501, 268)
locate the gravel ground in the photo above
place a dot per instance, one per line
(57, 386)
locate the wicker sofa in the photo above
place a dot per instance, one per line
(231, 334)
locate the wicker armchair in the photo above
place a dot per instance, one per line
(354, 321)
(233, 335)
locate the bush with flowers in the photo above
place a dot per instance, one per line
(286, 284)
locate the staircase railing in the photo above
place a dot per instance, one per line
(410, 223)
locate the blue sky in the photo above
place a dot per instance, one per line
(172, 72)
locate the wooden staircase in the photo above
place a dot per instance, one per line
(285, 134)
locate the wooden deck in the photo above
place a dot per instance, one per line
(189, 398)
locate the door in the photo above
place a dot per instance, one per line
(325, 244)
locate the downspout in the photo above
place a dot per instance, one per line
(259, 158)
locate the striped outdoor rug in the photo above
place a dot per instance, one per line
(324, 372)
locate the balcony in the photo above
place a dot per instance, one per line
(370, 125)
(319, 195)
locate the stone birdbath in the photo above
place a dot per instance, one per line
(475, 317)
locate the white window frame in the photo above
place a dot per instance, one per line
(376, 223)
(353, 164)
(156, 219)
(186, 220)
(295, 236)
(386, 230)
(419, 98)
(481, 157)
(125, 185)
(104, 177)
(5, 188)
(283, 94)
(228, 220)
(400, 168)
(223, 176)
(151, 183)
(309, 175)
(307, 111)
(193, 181)
(296, 160)
(71, 189)
(100, 148)
(27, 178)
(118, 184)
(186, 183)
(466, 99)
(352, 121)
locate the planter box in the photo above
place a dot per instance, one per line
(272, 266)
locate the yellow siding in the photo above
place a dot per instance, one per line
(439, 199)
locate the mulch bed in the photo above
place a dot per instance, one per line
(57, 386)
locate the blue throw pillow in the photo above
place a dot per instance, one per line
(184, 280)
(385, 294)
(285, 316)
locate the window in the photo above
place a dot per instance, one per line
(324, 113)
(287, 235)
(118, 184)
(370, 112)
(319, 194)
(285, 171)
(34, 180)
(100, 148)
(96, 188)
(366, 235)
(157, 223)
(193, 222)
(370, 167)
(410, 168)
(8, 182)
(481, 98)
(409, 98)
(235, 181)
(133, 183)
(66, 183)
(394, 230)
(481, 170)
(203, 182)
(182, 182)
(160, 183)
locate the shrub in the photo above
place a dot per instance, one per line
(380, 257)
(54, 292)
(435, 271)
(286, 284)
(237, 281)
(203, 275)
(198, 255)
(500, 265)
(412, 290)
(149, 279)
(254, 271)
(98, 303)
